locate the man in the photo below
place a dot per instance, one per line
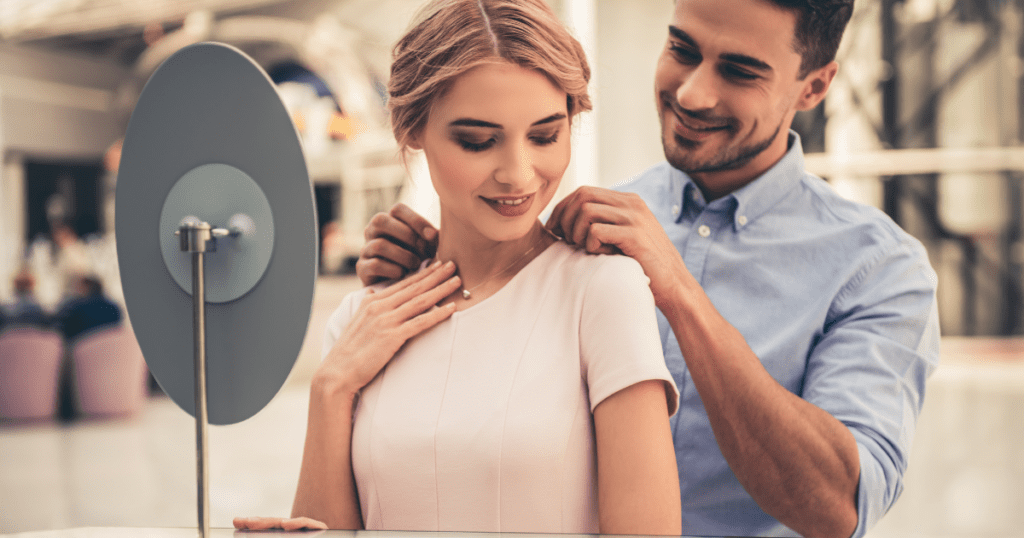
(25, 309)
(808, 323)
(88, 311)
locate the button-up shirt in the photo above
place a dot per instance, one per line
(834, 298)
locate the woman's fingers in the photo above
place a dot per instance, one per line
(400, 292)
(300, 523)
(427, 320)
(427, 298)
(267, 523)
(257, 523)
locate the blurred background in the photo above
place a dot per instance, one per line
(925, 121)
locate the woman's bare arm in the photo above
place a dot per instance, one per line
(638, 484)
(327, 487)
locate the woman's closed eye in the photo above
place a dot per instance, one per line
(475, 144)
(545, 139)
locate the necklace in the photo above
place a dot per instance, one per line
(467, 293)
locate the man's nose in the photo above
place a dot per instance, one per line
(699, 89)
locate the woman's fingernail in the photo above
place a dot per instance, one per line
(436, 264)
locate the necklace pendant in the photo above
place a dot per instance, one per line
(466, 295)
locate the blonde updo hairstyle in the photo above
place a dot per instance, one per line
(450, 37)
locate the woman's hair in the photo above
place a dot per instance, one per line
(450, 37)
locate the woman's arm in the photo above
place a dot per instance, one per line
(327, 487)
(637, 480)
(382, 324)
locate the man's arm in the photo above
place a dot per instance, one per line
(798, 463)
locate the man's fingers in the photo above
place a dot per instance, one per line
(606, 238)
(386, 250)
(387, 227)
(554, 223)
(416, 222)
(374, 270)
(590, 213)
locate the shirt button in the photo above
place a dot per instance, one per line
(695, 195)
(704, 231)
(675, 210)
(742, 220)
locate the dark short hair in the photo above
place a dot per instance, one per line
(819, 29)
(93, 285)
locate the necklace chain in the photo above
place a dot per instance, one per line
(467, 292)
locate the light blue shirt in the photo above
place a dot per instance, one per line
(835, 299)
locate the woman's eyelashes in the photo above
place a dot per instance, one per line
(474, 145)
(477, 144)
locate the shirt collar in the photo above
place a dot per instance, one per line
(754, 199)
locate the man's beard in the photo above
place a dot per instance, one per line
(731, 159)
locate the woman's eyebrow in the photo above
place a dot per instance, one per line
(470, 122)
(554, 117)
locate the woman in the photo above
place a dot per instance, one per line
(529, 392)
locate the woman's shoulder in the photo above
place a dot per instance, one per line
(588, 269)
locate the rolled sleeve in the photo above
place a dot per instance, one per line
(869, 369)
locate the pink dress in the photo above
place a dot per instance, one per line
(484, 423)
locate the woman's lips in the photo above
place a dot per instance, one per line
(507, 206)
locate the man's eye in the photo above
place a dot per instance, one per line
(470, 145)
(684, 54)
(738, 74)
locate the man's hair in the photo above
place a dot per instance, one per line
(24, 282)
(92, 284)
(819, 29)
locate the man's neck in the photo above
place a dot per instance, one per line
(717, 184)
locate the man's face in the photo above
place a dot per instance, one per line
(727, 88)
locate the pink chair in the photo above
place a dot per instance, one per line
(30, 360)
(109, 373)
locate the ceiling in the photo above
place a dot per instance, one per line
(115, 28)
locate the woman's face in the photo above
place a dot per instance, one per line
(497, 145)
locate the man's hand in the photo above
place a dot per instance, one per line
(396, 243)
(605, 221)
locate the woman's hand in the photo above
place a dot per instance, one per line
(284, 523)
(383, 323)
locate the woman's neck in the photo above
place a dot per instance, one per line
(485, 265)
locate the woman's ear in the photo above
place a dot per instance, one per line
(414, 141)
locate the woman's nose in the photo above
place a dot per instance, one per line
(516, 169)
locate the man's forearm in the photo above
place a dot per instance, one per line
(799, 463)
